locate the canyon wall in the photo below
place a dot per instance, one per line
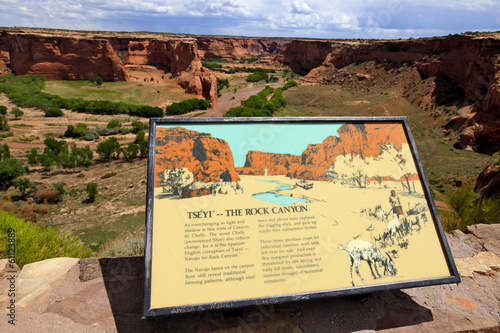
(209, 159)
(240, 47)
(80, 57)
(470, 63)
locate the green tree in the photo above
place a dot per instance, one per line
(4, 127)
(138, 126)
(115, 123)
(60, 189)
(3, 110)
(53, 112)
(17, 112)
(91, 190)
(109, 148)
(130, 151)
(10, 169)
(33, 156)
(4, 151)
(23, 184)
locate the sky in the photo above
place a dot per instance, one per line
(374, 19)
(265, 137)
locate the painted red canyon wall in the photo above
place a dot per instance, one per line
(363, 140)
(209, 159)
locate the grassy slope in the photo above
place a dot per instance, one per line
(156, 93)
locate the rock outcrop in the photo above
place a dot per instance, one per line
(63, 58)
(488, 181)
(80, 57)
(105, 295)
(209, 159)
(240, 47)
(471, 64)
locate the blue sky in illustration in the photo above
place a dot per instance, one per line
(281, 18)
(265, 137)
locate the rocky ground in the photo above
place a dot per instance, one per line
(105, 295)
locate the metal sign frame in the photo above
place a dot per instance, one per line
(189, 168)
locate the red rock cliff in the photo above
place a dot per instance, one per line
(471, 63)
(62, 58)
(209, 159)
(239, 47)
(79, 57)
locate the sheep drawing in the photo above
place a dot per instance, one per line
(395, 228)
(358, 249)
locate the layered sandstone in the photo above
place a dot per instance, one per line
(63, 58)
(80, 57)
(209, 159)
(470, 63)
(260, 163)
(239, 47)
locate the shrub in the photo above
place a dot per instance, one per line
(10, 169)
(257, 76)
(4, 151)
(91, 190)
(109, 149)
(187, 105)
(22, 184)
(138, 126)
(3, 110)
(16, 112)
(35, 243)
(469, 208)
(124, 248)
(4, 127)
(47, 195)
(130, 151)
(114, 123)
(53, 112)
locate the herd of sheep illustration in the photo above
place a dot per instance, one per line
(396, 235)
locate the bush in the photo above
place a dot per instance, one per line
(53, 112)
(138, 126)
(35, 243)
(4, 127)
(46, 195)
(4, 151)
(109, 149)
(3, 110)
(22, 184)
(257, 76)
(16, 112)
(10, 169)
(91, 190)
(469, 208)
(115, 123)
(187, 105)
(124, 248)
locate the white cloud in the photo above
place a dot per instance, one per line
(287, 18)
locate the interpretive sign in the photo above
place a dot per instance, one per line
(246, 211)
